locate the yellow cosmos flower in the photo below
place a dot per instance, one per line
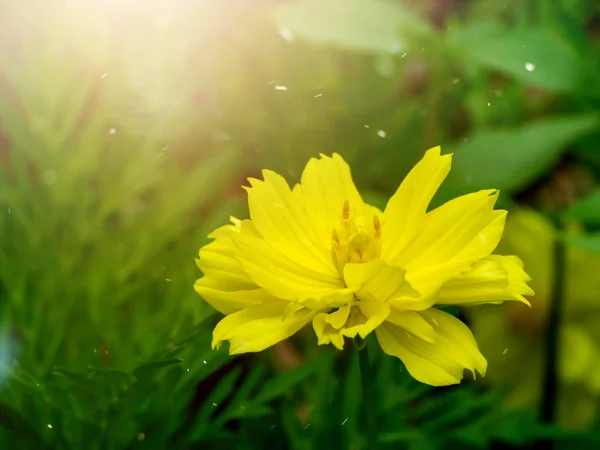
(318, 253)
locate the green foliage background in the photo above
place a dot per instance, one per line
(125, 133)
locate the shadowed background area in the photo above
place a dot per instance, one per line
(127, 129)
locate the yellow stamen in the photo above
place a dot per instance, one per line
(376, 225)
(346, 210)
(335, 236)
(352, 243)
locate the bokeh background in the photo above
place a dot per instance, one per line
(126, 130)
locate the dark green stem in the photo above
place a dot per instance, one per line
(550, 386)
(368, 399)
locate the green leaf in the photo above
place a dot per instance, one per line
(218, 395)
(14, 424)
(401, 436)
(280, 385)
(375, 198)
(361, 25)
(146, 370)
(110, 379)
(238, 408)
(586, 210)
(590, 242)
(296, 436)
(535, 56)
(510, 159)
(78, 378)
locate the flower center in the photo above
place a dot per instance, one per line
(353, 243)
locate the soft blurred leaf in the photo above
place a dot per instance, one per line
(510, 159)
(401, 436)
(363, 25)
(590, 242)
(218, 395)
(80, 379)
(243, 396)
(14, 426)
(535, 56)
(280, 385)
(146, 370)
(375, 198)
(294, 432)
(586, 210)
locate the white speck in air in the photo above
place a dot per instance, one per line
(530, 67)
(281, 88)
(381, 133)
(287, 34)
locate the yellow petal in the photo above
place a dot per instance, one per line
(218, 259)
(338, 318)
(284, 278)
(492, 279)
(225, 285)
(326, 185)
(326, 334)
(377, 281)
(450, 241)
(280, 218)
(291, 309)
(486, 241)
(219, 295)
(440, 363)
(364, 318)
(406, 210)
(258, 327)
(359, 319)
(327, 326)
(414, 323)
(449, 229)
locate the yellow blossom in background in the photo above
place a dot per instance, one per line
(514, 339)
(319, 254)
